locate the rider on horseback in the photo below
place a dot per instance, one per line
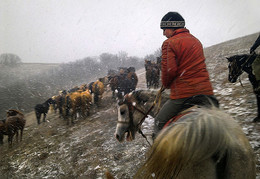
(183, 69)
(256, 63)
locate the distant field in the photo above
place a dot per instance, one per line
(25, 70)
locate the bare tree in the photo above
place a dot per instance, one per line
(10, 59)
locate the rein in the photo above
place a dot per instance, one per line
(241, 69)
(243, 64)
(159, 93)
(158, 97)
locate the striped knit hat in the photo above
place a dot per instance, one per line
(172, 20)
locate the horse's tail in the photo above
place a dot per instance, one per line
(206, 141)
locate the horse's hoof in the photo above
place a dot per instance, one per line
(257, 119)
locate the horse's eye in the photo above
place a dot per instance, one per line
(122, 112)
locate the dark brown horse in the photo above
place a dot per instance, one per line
(43, 109)
(243, 63)
(123, 83)
(60, 103)
(152, 74)
(204, 143)
(14, 123)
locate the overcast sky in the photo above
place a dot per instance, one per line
(66, 30)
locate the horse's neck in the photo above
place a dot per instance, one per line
(47, 103)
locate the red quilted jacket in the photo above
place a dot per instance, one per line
(183, 66)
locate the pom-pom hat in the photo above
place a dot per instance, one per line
(172, 20)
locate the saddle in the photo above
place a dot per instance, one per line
(192, 103)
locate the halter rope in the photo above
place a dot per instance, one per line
(242, 66)
(158, 96)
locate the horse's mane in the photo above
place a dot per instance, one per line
(202, 134)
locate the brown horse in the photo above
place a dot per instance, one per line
(243, 63)
(86, 100)
(205, 143)
(60, 103)
(113, 83)
(98, 90)
(152, 74)
(14, 122)
(73, 104)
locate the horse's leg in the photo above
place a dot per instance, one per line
(257, 119)
(258, 105)
(21, 134)
(1, 139)
(44, 117)
(88, 109)
(17, 135)
(38, 116)
(10, 139)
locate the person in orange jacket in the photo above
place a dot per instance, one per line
(183, 68)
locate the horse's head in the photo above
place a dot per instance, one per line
(13, 112)
(50, 101)
(130, 114)
(235, 66)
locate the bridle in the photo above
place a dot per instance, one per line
(235, 67)
(239, 68)
(132, 108)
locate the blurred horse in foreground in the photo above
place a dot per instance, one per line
(203, 143)
(237, 65)
(14, 122)
(43, 109)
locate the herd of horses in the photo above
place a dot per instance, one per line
(78, 100)
(122, 81)
(72, 103)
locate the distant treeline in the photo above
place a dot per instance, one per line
(24, 93)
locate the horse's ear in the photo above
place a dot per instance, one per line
(229, 59)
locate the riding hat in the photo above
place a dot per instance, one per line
(172, 20)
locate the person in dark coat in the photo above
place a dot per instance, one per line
(255, 45)
(256, 63)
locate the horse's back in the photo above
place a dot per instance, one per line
(206, 143)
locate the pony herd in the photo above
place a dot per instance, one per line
(78, 101)
(72, 103)
(122, 82)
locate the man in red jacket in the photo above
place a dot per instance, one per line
(183, 68)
